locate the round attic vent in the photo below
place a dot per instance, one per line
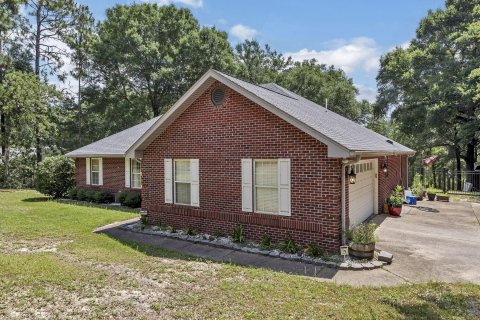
(218, 95)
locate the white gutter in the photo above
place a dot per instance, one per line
(345, 163)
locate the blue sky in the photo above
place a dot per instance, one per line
(350, 34)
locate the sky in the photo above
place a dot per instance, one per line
(350, 34)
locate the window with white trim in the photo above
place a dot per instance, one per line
(95, 171)
(182, 181)
(136, 173)
(266, 186)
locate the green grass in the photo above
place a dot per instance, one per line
(53, 266)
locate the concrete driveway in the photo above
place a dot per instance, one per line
(433, 241)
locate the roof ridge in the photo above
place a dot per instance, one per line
(255, 84)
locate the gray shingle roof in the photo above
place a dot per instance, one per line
(115, 145)
(335, 127)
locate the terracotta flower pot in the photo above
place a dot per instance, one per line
(365, 251)
(395, 210)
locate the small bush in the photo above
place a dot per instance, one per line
(364, 233)
(90, 195)
(120, 197)
(314, 250)
(189, 231)
(172, 229)
(288, 245)
(72, 193)
(266, 242)
(218, 234)
(237, 234)
(102, 197)
(55, 176)
(133, 200)
(82, 194)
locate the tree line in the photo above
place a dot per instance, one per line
(141, 58)
(127, 68)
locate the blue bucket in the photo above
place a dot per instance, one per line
(411, 200)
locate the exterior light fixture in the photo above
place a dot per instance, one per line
(352, 177)
(385, 167)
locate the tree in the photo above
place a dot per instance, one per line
(51, 20)
(259, 65)
(431, 85)
(317, 82)
(80, 39)
(23, 100)
(148, 55)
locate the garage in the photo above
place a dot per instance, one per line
(362, 194)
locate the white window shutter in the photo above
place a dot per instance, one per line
(100, 175)
(127, 172)
(87, 170)
(194, 183)
(167, 163)
(247, 185)
(284, 197)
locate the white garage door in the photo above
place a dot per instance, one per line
(362, 193)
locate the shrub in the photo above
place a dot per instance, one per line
(102, 197)
(237, 234)
(172, 229)
(266, 242)
(132, 200)
(82, 194)
(217, 233)
(90, 195)
(72, 193)
(314, 250)
(417, 187)
(189, 231)
(120, 197)
(55, 176)
(288, 245)
(364, 233)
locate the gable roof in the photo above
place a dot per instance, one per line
(343, 137)
(115, 145)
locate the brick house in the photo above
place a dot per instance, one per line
(231, 152)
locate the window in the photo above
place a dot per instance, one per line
(136, 175)
(95, 171)
(266, 186)
(182, 183)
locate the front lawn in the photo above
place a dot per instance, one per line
(53, 266)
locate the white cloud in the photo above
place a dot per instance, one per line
(404, 46)
(243, 32)
(366, 93)
(190, 3)
(222, 21)
(359, 53)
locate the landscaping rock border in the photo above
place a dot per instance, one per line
(224, 242)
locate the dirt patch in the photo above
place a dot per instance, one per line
(13, 246)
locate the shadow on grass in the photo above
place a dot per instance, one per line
(37, 199)
(98, 205)
(434, 306)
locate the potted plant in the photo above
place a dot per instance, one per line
(431, 194)
(443, 197)
(395, 201)
(363, 240)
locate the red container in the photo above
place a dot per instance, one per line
(395, 211)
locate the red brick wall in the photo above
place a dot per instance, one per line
(397, 174)
(220, 138)
(113, 174)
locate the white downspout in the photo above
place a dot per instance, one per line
(345, 163)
